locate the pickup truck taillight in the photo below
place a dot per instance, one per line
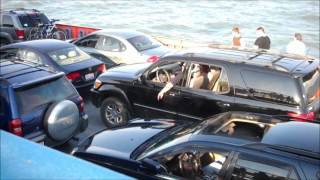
(20, 34)
(15, 127)
(301, 117)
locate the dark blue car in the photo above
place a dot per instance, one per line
(39, 104)
(80, 68)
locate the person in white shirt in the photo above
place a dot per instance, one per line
(297, 46)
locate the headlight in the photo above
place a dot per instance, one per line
(97, 84)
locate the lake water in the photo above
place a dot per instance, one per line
(196, 20)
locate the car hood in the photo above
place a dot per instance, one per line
(121, 142)
(158, 51)
(124, 71)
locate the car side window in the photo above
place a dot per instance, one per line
(208, 77)
(164, 72)
(29, 55)
(110, 44)
(249, 167)
(89, 41)
(271, 87)
(194, 162)
(7, 21)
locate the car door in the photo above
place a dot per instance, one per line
(217, 97)
(246, 165)
(144, 93)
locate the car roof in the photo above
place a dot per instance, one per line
(298, 135)
(122, 33)
(20, 73)
(39, 162)
(297, 65)
(43, 45)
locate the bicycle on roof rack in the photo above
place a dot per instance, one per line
(46, 31)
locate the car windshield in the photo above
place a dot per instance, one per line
(171, 138)
(68, 56)
(31, 20)
(311, 83)
(142, 43)
(31, 97)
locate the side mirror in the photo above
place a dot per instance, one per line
(142, 79)
(151, 165)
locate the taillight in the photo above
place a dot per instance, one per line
(20, 34)
(81, 105)
(300, 117)
(73, 76)
(101, 68)
(15, 127)
(153, 59)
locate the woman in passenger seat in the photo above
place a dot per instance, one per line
(200, 77)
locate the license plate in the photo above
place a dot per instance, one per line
(89, 76)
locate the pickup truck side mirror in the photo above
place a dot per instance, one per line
(142, 79)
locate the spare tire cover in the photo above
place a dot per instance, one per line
(62, 120)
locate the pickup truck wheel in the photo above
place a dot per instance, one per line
(3, 42)
(114, 112)
(61, 121)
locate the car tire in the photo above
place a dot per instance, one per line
(114, 112)
(61, 122)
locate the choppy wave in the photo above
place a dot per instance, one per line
(201, 20)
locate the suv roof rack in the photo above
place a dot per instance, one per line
(261, 51)
(29, 63)
(261, 57)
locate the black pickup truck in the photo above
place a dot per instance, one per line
(16, 24)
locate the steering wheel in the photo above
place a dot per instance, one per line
(189, 164)
(165, 72)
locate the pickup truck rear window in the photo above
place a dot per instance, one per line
(31, 20)
(311, 83)
(42, 94)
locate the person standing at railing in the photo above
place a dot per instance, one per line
(262, 41)
(237, 40)
(297, 46)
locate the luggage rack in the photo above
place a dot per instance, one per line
(30, 64)
(258, 57)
